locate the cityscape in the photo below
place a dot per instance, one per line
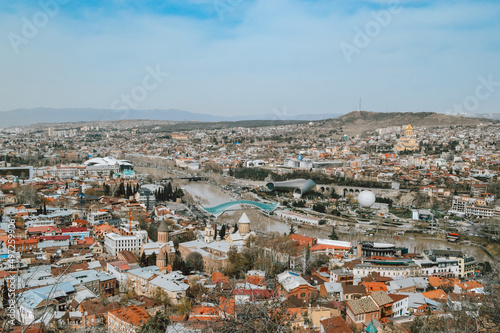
(122, 226)
(224, 166)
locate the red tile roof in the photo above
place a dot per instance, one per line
(302, 240)
(131, 314)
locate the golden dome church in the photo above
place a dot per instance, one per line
(407, 141)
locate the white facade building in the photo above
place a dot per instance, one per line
(115, 243)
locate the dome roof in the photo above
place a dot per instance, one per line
(244, 219)
(163, 226)
(106, 162)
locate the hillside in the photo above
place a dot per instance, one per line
(357, 122)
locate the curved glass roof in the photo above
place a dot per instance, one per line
(217, 210)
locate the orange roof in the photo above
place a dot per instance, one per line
(26, 241)
(177, 318)
(255, 279)
(435, 294)
(4, 274)
(43, 229)
(131, 314)
(437, 281)
(470, 285)
(226, 306)
(381, 258)
(374, 286)
(202, 312)
(293, 313)
(219, 277)
(87, 240)
(302, 240)
(103, 227)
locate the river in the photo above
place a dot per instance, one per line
(211, 195)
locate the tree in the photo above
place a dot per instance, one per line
(334, 195)
(491, 302)
(107, 190)
(222, 232)
(179, 193)
(264, 317)
(152, 259)
(180, 265)
(319, 207)
(333, 234)
(5, 294)
(161, 297)
(156, 324)
(28, 195)
(121, 190)
(153, 232)
(194, 261)
(143, 261)
(168, 192)
(292, 230)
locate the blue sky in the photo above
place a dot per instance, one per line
(231, 57)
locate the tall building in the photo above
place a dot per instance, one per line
(408, 131)
(244, 224)
(239, 237)
(167, 251)
(209, 233)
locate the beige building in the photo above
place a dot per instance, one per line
(408, 141)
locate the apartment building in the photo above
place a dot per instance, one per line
(114, 243)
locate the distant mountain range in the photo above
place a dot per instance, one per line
(24, 117)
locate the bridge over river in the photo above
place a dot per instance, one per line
(220, 209)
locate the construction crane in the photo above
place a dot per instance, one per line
(130, 222)
(81, 195)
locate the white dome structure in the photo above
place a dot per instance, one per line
(107, 162)
(366, 198)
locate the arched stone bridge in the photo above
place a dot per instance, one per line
(355, 190)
